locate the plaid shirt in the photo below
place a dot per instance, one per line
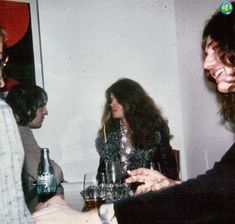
(12, 205)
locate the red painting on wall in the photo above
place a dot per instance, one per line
(15, 18)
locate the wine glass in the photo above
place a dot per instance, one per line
(113, 172)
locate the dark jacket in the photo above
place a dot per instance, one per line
(160, 155)
(209, 198)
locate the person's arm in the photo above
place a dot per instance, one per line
(61, 214)
(185, 203)
(210, 194)
(59, 177)
(56, 210)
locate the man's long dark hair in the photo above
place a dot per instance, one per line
(142, 115)
(221, 28)
(25, 99)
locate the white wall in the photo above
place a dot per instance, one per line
(87, 45)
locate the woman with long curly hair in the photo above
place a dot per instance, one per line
(133, 131)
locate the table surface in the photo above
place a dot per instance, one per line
(72, 195)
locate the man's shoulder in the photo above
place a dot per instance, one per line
(25, 131)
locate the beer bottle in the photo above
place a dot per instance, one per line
(46, 180)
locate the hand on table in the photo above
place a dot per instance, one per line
(57, 199)
(58, 212)
(152, 180)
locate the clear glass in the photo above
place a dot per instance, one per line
(93, 195)
(113, 172)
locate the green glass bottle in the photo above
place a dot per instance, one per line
(46, 180)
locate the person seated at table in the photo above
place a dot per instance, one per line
(133, 131)
(28, 103)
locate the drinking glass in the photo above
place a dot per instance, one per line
(152, 166)
(113, 172)
(93, 195)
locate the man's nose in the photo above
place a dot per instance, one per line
(112, 103)
(209, 61)
(2, 82)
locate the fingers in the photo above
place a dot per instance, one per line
(134, 179)
(144, 175)
(156, 185)
(139, 171)
(136, 175)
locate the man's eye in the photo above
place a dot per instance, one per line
(215, 46)
(232, 59)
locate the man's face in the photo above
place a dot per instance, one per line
(116, 107)
(40, 115)
(222, 74)
(2, 83)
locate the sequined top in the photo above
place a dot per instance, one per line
(117, 147)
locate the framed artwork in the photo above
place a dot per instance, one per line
(20, 20)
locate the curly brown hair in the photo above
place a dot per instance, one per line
(142, 115)
(221, 28)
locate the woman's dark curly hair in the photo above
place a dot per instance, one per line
(25, 99)
(221, 28)
(142, 115)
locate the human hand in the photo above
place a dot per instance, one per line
(57, 199)
(61, 214)
(152, 180)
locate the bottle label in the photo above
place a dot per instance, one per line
(46, 183)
